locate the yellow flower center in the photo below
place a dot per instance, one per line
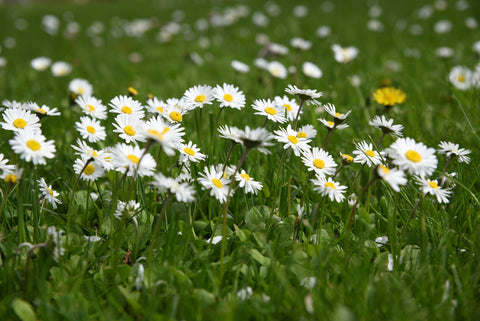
(302, 135)
(90, 108)
(40, 110)
(330, 185)
(370, 153)
(228, 97)
(189, 151)
(94, 154)
(384, 169)
(413, 156)
(89, 170)
(245, 176)
(318, 163)
(217, 182)
(157, 134)
(19, 123)
(176, 116)
(33, 145)
(293, 139)
(461, 78)
(132, 91)
(347, 158)
(133, 158)
(10, 178)
(126, 110)
(287, 107)
(160, 109)
(433, 184)
(50, 191)
(91, 129)
(200, 98)
(330, 123)
(271, 111)
(129, 130)
(338, 114)
(80, 90)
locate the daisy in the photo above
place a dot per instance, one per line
(215, 182)
(239, 66)
(12, 175)
(156, 106)
(91, 172)
(307, 95)
(42, 111)
(229, 96)
(103, 157)
(33, 146)
(344, 54)
(13, 104)
(126, 105)
(3, 164)
(130, 128)
(431, 187)
(90, 129)
(128, 209)
(460, 77)
(231, 133)
(366, 154)
(247, 182)
(290, 105)
(173, 115)
(389, 96)
(327, 187)
(61, 68)
(453, 150)
(18, 120)
(183, 192)
(300, 43)
(277, 49)
(258, 138)
(392, 176)
(338, 118)
(415, 158)
(269, 109)
(80, 87)
(277, 69)
(181, 105)
(319, 161)
(168, 135)
(311, 70)
(190, 153)
(48, 193)
(386, 126)
(133, 160)
(40, 63)
(92, 106)
(307, 131)
(289, 137)
(198, 96)
(330, 124)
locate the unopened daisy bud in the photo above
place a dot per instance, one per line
(346, 159)
(132, 91)
(352, 200)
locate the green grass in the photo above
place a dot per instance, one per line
(436, 272)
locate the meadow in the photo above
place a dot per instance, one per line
(232, 160)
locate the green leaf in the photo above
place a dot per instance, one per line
(257, 256)
(23, 310)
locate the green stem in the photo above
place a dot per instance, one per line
(298, 114)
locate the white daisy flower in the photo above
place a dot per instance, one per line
(461, 77)
(91, 172)
(198, 96)
(173, 115)
(61, 68)
(258, 138)
(13, 104)
(338, 118)
(365, 154)
(130, 128)
(261, 63)
(307, 95)
(183, 192)
(277, 69)
(33, 146)
(182, 105)
(415, 158)
(331, 124)
(48, 193)
(277, 49)
(168, 135)
(231, 133)
(132, 159)
(229, 96)
(90, 129)
(311, 70)
(300, 43)
(327, 187)
(344, 54)
(215, 182)
(103, 157)
(129, 209)
(156, 106)
(80, 87)
(12, 175)
(386, 126)
(290, 106)
(42, 111)
(247, 182)
(190, 153)
(319, 161)
(18, 120)
(452, 150)
(40, 63)
(92, 106)
(392, 176)
(269, 109)
(431, 187)
(239, 66)
(3, 164)
(126, 105)
(307, 131)
(289, 137)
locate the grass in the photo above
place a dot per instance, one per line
(273, 264)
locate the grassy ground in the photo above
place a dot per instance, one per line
(273, 264)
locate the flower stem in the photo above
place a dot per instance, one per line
(298, 114)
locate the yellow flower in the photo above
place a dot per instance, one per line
(389, 96)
